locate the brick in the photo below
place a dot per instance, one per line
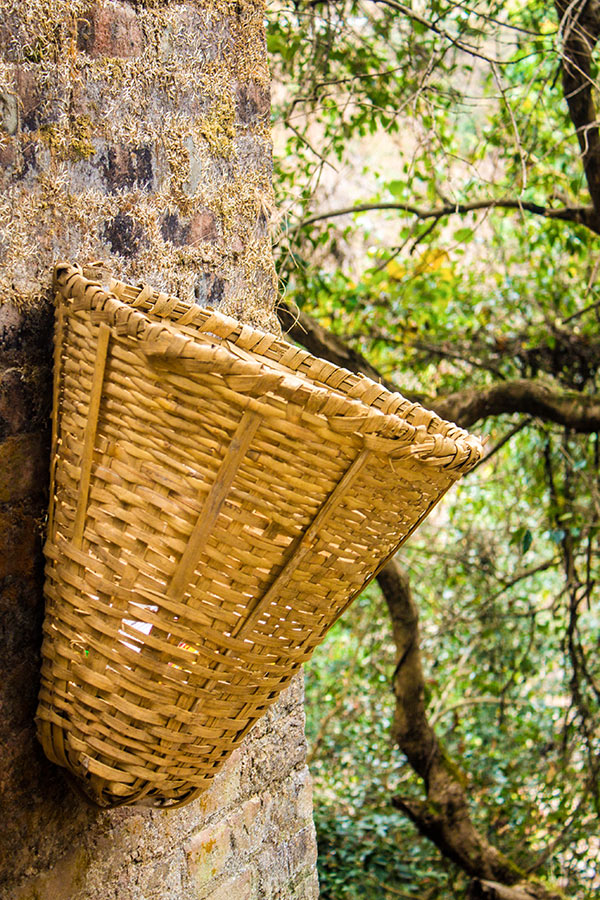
(203, 227)
(9, 112)
(19, 542)
(30, 164)
(127, 167)
(25, 334)
(8, 153)
(208, 852)
(62, 880)
(173, 229)
(238, 888)
(304, 799)
(123, 235)
(29, 98)
(15, 402)
(110, 30)
(253, 103)
(302, 850)
(225, 789)
(307, 888)
(209, 289)
(247, 830)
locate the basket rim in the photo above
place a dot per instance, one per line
(246, 356)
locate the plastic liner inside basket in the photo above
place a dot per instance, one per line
(218, 498)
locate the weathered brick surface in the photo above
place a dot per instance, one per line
(117, 118)
(135, 133)
(253, 844)
(110, 29)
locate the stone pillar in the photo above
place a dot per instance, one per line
(136, 134)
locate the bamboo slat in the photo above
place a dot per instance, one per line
(218, 497)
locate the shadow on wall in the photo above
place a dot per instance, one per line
(40, 815)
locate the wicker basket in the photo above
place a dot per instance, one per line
(218, 498)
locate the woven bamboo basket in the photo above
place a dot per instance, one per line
(218, 498)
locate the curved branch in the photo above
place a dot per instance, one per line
(581, 215)
(580, 412)
(444, 817)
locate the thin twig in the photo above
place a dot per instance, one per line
(578, 214)
(503, 440)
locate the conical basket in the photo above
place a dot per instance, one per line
(218, 498)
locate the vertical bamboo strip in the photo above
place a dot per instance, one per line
(303, 545)
(213, 503)
(59, 341)
(90, 432)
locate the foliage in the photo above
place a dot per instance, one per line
(498, 695)
(445, 112)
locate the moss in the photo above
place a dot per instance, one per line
(218, 128)
(52, 135)
(453, 769)
(80, 142)
(115, 102)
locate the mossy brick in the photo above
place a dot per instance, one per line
(111, 118)
(125, 167)
(110, 29)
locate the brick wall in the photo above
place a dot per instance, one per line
(136, 134)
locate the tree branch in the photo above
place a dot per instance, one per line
(435, 28)
(580, 30)
(575, 410)
(581, 215)
(580, 412)
(491, 890)
(320, 342)
(444, 817)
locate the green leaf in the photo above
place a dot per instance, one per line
(463, 235)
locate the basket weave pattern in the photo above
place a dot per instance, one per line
(218, 498)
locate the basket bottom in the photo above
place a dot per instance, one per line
(82, 773)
